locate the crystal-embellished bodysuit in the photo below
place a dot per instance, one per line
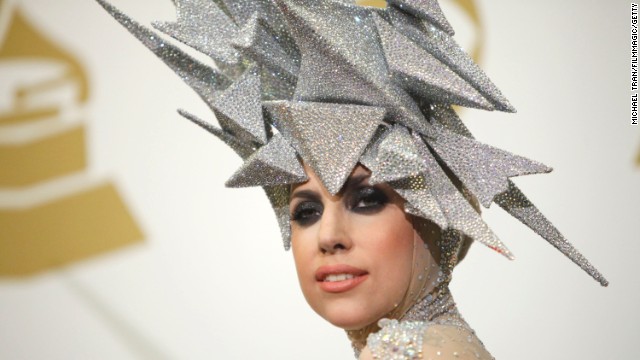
(432, 329)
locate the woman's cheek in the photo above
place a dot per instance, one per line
(303, 250)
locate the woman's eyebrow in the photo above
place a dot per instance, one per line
(305, 194)
(356, 180)
(313, 195)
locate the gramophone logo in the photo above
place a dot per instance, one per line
(51, 212)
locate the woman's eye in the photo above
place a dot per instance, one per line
(306, 213)
(369, 199)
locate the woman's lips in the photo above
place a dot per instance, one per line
(339, 278)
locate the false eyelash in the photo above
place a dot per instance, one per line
(299, 215)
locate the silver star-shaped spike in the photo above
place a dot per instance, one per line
(342, 60)
(445, 49)
(483, 169)
(423, 74)
(329, 137)
(193, 28)
(278, 195)
(370, 154)
(275, 163)
(279, 198)
(397, 157)
(276, 85)
(516, 203)
(445, 116)
(200, 77)
(458, 211)
(420, 201)
(239, 108)
(259, 44)
(243, 11)
(244, 150)
(425, 9)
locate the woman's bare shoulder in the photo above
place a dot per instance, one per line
(452, 342)
(424, 341)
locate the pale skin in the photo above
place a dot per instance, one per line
(364, 229)
(443, 342)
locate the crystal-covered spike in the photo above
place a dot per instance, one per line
(397, 157)
(458, 211)
(445, 49)
(244, 150)
(257, 43)
(279, 198)
(239, 108)
(193, 27)
(483, 169)
(330, 138)
(342, 60)
(425, 9)
(275, 163)
(516, 203)
(424, 75)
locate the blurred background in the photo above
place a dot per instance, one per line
(118, 239)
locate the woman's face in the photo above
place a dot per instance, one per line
(353, 251)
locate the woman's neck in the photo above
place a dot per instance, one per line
(436, 306)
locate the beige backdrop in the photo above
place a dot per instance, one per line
(119, 241)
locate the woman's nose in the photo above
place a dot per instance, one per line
(333, 235)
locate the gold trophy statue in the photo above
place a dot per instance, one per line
(51, 212)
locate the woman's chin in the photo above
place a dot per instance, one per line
(350, 324)
(349, 318)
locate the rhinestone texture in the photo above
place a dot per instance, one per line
(425, 9)
(194, 29)
(397, 157)
(459, 212)
(239, 110)
(417, 69)
(330, 138)
(397, 341)
(273, 164)
(343, 61)
(484, 169)
(340, 82)
(431, 329)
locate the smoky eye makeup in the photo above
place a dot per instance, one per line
(367, 199)
(305, 208)
(358, 196)
(306, 212)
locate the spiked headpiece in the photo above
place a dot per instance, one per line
(336, 84)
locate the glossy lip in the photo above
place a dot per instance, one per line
(359, 276)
